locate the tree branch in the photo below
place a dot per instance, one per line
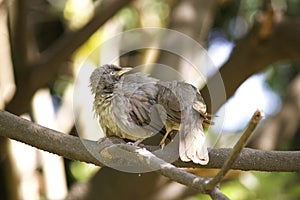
(76, 148)
(252, 159)
(58, 144)
(73, 148)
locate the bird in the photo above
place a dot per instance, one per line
(135, 106)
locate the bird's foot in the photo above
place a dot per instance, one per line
(163, 140)
(162, 145)
(136, 143)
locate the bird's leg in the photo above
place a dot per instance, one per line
(136, 143)
(163, 140)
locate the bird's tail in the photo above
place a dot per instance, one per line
(192, 140)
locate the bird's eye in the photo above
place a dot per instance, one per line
(112, 73)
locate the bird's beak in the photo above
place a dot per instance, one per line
(123, 71)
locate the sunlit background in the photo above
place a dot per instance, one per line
(52, 106)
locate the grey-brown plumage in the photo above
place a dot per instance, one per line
(135, 106)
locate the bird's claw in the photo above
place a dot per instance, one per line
(136, 143)
(162, 144)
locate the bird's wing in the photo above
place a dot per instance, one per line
(143, 108)
(176, 97)
(135, 103)
(170, 101)
(185, 106)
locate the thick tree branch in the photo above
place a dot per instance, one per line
(142, 155)
(252, 159)
(109, 150)
(72, 147)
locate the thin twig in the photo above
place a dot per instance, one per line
(257, 116)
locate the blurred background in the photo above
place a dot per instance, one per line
(255, 45)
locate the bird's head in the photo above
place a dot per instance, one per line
(104, 78)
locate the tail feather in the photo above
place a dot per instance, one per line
(192, 143)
